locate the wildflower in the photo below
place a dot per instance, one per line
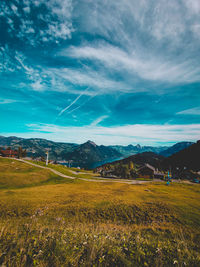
(158, 250)
(40, 252)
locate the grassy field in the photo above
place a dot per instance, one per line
(46, 220)
(73, 172)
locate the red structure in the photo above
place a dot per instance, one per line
(9, 153)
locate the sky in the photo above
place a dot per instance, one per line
(115, 72)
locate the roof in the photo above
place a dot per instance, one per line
(8, 152)
(147, 166)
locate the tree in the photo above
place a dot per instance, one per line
(24, 153)
(19, 152)
(131, 165)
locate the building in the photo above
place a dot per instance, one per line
(149, 171)
(9, 153)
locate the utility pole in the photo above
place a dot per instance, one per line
(70, 161)
(47, 159)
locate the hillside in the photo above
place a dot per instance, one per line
(188, 158)
(89, 154)
(36, 147)
(129, 168)
(15, 174)
(175, 148)
(51, 222)
(141, 159)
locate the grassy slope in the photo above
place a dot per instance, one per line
(73, 172)
(15, 174)
(84, 223)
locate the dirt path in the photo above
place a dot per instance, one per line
(47, 168)
(100, 179)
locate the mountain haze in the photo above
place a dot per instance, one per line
(131, 149)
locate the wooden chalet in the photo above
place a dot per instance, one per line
(149, 171)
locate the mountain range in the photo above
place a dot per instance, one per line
(36, 147)
(131, 149)
(184, 163)
(87, 155)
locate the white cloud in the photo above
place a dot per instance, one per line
(98, 120)
(148, 68)
(55, 17)
(37, 85)
(7, 101)
(120, 20)
(193, 6)
(191, 111)
(148, 43)
(138, 133)
(90, 78)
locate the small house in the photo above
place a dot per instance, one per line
(147, 171)
(9, 153)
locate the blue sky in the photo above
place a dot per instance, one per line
(115, 72)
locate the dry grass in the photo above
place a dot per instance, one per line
(78, 223)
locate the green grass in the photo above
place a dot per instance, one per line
(69, 171)
(15, 174)
(53, 221)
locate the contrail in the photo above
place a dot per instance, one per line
(69, 112)
(69, 105)
(72, 103)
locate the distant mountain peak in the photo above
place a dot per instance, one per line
(91, 143)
